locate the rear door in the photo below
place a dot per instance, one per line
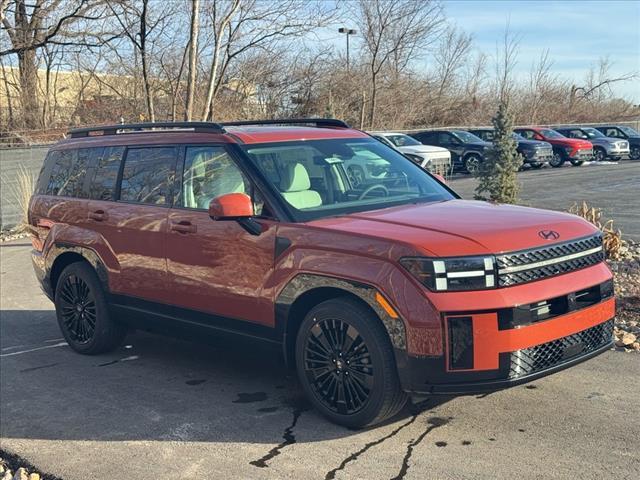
(218, 267)
(131, 191)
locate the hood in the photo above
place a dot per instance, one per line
(526, 143)
(605, 140)
(571, 142)
(478, 145)
(422, 149)
(462, 227)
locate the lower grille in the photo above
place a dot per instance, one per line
(550, 354)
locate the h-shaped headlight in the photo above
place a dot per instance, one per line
(451, 274)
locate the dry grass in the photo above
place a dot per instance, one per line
(612, 239)
(21, 192)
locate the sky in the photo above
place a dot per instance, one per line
(576, 32)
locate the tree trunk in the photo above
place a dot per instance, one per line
(193, 57)
(29, 88)
(372, 106)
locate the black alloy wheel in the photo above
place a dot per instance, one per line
(557, 160)
(599, 155)
(634, 154)
(338, 365)
(77, 309)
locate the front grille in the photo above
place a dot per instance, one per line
(535, 264)
(550, 354)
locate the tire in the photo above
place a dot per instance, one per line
(599, 154)
(557, 160)
(577, 163)
(634, 154)
(82, 311)
(472, 163)
(537, 165)
(334, 335)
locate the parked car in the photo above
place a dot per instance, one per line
(575, 150)
(374, 291)
(429, 157)
(603, 147)
(626, 133)
(467, 150)
(535, 153)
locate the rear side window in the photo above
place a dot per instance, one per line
(103, 184)
(68, 172)
(148, 175)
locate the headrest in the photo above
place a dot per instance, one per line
(295, 178)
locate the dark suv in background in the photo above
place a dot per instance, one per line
(535, 153)
(467, 150)
(626, 133)
(603, 147)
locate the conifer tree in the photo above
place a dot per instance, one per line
(497, 175)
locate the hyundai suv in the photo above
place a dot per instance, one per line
(535, 154)
(603, 147)
(575, 150)
(374, 291)
(467, 150)
(435, 159)
(624, 132)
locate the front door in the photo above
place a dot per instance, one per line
(218, 267)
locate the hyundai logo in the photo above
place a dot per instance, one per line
(549, 234)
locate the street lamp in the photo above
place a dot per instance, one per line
(347, 32)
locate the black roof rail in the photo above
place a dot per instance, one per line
(210, 127)
(318, 122)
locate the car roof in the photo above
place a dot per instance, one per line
(270, 134)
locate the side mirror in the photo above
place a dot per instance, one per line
(440, 178)
(231, 206)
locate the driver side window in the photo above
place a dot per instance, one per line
(210, 172)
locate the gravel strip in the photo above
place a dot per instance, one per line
(627, 285)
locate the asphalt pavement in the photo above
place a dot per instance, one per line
(166, 408)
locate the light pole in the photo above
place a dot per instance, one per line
(347, 32)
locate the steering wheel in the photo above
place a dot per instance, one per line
(377, 186)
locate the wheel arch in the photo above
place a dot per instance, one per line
(61, 255)
(305, 291)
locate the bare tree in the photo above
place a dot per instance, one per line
(394, 33)
(506, 61)
(194, 29)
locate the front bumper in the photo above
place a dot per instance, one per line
(582, 155)
(542, 155)
(491, 350)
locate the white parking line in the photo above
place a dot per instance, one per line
(61, 344)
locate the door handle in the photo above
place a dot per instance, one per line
(98, 215)
(183, 226)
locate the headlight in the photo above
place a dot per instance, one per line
(450, 274)
(569, 149)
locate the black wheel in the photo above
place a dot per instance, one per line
(599, 154)
(472, 163)
(577, 163)
(634, 154)
(557, 160)
(346, 365)
(536, 165)
(83, 315)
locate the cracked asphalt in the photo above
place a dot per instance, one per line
(167, 408)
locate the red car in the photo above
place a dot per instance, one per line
(573, 149)
(374, 291)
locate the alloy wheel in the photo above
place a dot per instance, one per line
(338, 366)
(78, 309)
(635, 153)
(599, 155)
(557, 160)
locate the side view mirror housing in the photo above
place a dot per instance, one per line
(231, 206)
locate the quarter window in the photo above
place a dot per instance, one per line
(68, 173)
(148, 175)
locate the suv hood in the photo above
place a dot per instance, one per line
(462, 227)
(531, 144)
(571, 142)
(422, 149)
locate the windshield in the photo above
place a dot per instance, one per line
(629, 131)
(593, 133)
(548, 133)
(466, 137)
(402, 140)
(322, 178)
(517, 136)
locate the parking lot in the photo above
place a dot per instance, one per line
(166, 408)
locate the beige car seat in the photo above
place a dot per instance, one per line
(296, 187)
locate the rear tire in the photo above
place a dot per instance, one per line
(82, 311)
(634, 154)
(346, 364)
(577, 163)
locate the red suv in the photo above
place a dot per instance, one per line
(374, 289)
(575, 150)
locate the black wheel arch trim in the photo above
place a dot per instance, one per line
(88, 254)
(306, 283)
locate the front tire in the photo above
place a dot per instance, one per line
(599, 155)
(472, 163)
(557, 160)
(82, 311)
(577, 163)
(346, 365)
(634, 154)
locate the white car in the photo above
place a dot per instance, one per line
(434, 159)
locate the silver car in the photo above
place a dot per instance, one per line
(604, 147)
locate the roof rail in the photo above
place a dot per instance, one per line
(210, 127)
(318, 122)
